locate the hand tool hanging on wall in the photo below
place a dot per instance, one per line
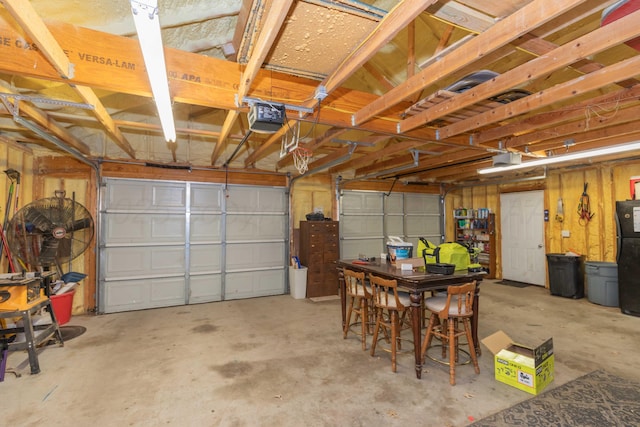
(4, 246)
(584, 208)
(560, 210)
(13, 176)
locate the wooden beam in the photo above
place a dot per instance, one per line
(314, 145)
(619, 71)
(42, 119)
(378, 155)
(539, 46)
(620, 99)
(270, 29)
(594, 135)
(444, 40)
(350, 164)
(115, 63)
(596, 41)
(241, 24)
(89, 96)
(530, 16)
(386, 84)
(397, 19)
(576, 128)
(329, 158)
(31, 22)
(229, 120)
(411, 47)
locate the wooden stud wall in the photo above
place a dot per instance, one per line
(596, 240)
(14, 156)
(607, 182)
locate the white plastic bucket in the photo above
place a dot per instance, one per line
(298, 282)
(398, 249)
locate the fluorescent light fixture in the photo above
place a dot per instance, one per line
(146, 19)
(586, 154)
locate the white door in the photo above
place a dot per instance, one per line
(522, 224)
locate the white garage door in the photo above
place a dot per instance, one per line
(176, 243)
(368, 218)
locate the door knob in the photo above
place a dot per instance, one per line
(540, 246)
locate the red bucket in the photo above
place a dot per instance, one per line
(62, 305)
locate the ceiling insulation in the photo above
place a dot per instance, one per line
(316, 37)
(383, 66)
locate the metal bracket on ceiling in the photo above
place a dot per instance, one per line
(12, 107)
(13, 99)
(141, 6)
(416, 162)
(344, 141)
(416, 157)
(352, 147)
(431, 153)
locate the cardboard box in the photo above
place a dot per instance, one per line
(414, 262)
(526, 368)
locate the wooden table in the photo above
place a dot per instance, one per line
(416, 283)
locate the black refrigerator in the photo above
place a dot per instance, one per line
(628, 225)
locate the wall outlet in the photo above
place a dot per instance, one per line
(566, 233)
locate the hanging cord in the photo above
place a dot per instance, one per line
(392, 185)
(595, 110)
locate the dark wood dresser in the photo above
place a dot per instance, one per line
(319, 250)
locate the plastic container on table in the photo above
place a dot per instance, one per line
(398, 249)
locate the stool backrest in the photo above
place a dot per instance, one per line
(354, 283)
(385, 293)
(459, 301)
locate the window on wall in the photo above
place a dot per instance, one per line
(368, 218)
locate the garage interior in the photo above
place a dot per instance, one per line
(382, 116)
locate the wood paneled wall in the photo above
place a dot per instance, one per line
(595, 239)
(607, 182)
(19, 158)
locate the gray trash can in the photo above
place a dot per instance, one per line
(602, 283)
(566, 275)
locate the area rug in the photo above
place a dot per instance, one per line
(325, 298)
(595, 400)
(513, 283)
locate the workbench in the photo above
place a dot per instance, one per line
(24, 311)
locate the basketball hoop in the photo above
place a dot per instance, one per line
(289, 144)
(301, 157)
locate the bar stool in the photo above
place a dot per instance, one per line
(446, 313)
(360, 300)
(391, 310)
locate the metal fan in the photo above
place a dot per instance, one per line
(50, 232)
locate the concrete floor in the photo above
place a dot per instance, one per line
(277, 361)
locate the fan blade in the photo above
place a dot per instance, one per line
(80, 224)
(38, 219)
